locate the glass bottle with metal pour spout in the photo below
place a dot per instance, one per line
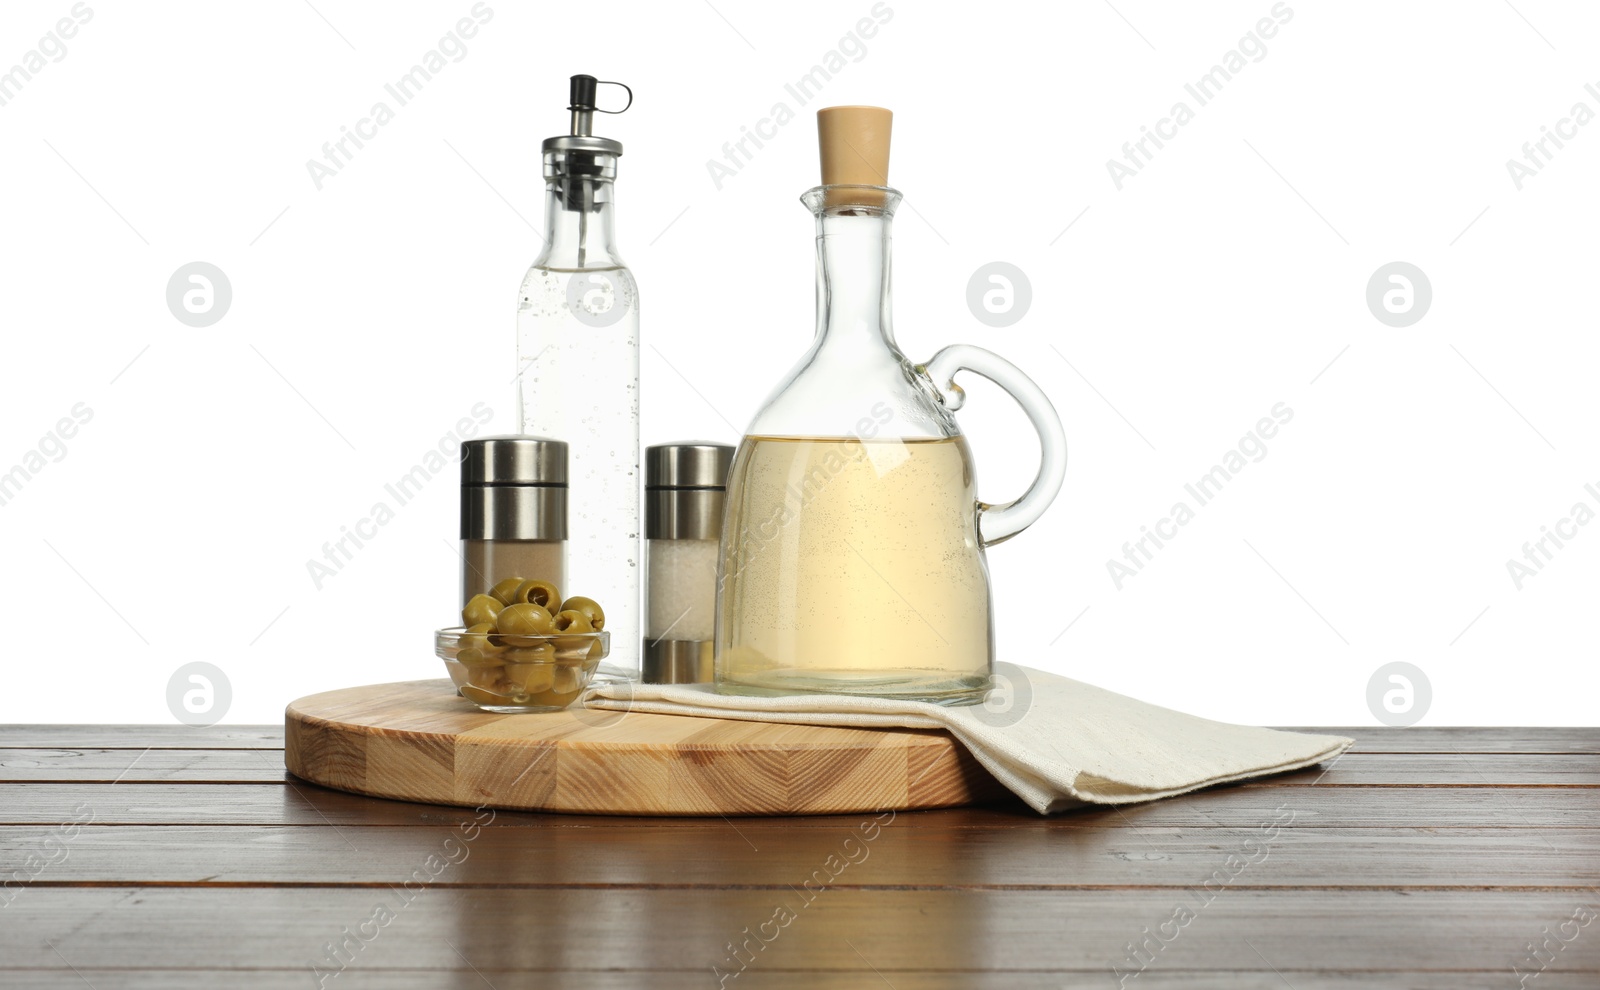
(852, 552)
(578, 371)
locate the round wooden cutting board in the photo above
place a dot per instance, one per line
(418, 741)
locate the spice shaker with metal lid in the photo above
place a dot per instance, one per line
(513, 512)
(685, 485)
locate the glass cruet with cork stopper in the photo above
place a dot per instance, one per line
(852, 550)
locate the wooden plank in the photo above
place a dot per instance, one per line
(1235, 807)
(1464, 738)
(256, 766)
(1456, 770)
(482, 978)
(141, 737)
(887, 930)
(905, 852)
(1319, 806)
(1369, 739)
(128, 766)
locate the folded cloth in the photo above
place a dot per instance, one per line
(1056, 742)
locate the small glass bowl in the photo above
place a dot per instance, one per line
(511, 675)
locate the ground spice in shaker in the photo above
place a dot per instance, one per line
(685, 485)
(513, 512)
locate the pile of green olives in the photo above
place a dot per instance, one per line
(504, 667)
(531, 608)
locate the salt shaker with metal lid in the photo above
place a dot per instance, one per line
(685, 485)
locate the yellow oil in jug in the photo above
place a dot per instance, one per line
(857, 569)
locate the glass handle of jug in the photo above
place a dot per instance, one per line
(997, 523)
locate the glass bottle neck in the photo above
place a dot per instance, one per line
(578, 212)
(853, 278)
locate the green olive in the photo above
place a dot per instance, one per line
(480, 608)
(589, 607)
(476, 638)
(471, 655)
(568, 682)
(523, 619)
(532, 670)
(479, 696)
(485, 675)
(540, 593)
(572, 621)
(525, 655)
(506, 590)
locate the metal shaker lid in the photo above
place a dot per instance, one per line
(513, 460)
(687, 465)
(685, 484)
(513, 488)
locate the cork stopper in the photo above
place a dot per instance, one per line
(854, 142)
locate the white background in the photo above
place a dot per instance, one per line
(372, 314)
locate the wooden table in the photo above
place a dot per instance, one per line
(186, 858)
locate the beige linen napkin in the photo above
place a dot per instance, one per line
(1057, 743)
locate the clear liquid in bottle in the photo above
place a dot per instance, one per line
(578, 342)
